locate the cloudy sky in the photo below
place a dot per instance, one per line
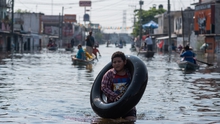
(108, 13)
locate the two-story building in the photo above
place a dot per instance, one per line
(206, 22)
(4, 25)
(52, 26)
(27, 25)
(175, 29)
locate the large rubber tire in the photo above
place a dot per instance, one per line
(130, 98)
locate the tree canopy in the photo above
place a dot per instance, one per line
(147, 15)
(22, 11)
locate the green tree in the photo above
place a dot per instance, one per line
(22, 11)
(147, 15)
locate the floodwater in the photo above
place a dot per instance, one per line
(44, 87)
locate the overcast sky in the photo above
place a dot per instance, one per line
(108, 13)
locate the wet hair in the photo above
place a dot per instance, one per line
(119, 54)
(186, 47)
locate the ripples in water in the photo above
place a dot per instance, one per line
(45, 87)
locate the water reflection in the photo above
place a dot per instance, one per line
(45, 87)
(206, 95)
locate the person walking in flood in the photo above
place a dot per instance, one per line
(90, 41)
(72, 42)
(116, 80)
(149, 43)
(95, 51)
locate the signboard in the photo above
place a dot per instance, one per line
(86, 17)
(69, 18)
(202, 22)
(95, 25)
(52, 30)
(50, 18)
(67, 30)
(207, 1)
(85, 3)
(203, 7)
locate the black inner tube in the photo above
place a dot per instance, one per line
(130, 98)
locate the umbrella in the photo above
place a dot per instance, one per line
(150, 24)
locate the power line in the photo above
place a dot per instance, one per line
(23, 4)
(111, 5)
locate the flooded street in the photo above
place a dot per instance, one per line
(44, 87)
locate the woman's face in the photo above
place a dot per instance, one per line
(118, 64)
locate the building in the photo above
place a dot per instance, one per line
(27, 26)
(163, 29)
(5, 33)
(52, 25)
(206, 22)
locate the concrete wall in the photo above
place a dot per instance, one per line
(3, 8)
(178, 22)
(188, 24)
(31, 22)
(159, 30)
(217, 19)
(166, 24)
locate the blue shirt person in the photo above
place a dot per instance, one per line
(188, 55)
(80, 54)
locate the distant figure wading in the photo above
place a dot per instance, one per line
(90, 43)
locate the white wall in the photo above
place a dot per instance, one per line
(178, 24)
(159, 30)
(193, 42)
(31, 21)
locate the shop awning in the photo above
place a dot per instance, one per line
(166, 37)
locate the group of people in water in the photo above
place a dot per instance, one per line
(116, 80)
(51, 43)
(91, 49)
(84, 55)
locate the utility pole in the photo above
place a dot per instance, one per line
(183, 26)
(124, 22)
(84, 35)
(140, 18)
(12, 27)
(62, 28)
(134, 20)
(59, 26)
(169, 33)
